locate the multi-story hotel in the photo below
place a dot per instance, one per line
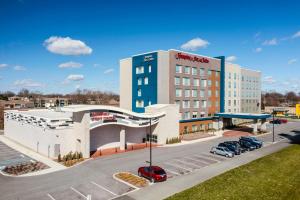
(242, 89)
(174, 77)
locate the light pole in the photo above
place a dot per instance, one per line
(150, 136)
(273, 125)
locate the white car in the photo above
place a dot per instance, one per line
(222, 151)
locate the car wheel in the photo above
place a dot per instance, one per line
(152, 180)
(226, 155)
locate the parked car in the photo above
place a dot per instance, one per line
(234, 148)
(283, 121)
(256, 142)
(222, 151)
(154, 174)
(247, 145)
(275, 121)
(237, 144)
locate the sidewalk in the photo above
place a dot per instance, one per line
(53, 166)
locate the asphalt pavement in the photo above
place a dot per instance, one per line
(94, 177)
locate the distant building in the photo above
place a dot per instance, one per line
(50, 102)
(16, 104)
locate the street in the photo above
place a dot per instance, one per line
(94, 177)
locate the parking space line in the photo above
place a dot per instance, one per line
(172, 172)
(78, 192)
(211, 157)
(51, 197)
(197, 160)
(174, 165)
(203, 159)
(103, 188)
(186, 163)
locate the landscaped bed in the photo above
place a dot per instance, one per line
(132, 179)
(276, 176)
(24, 168)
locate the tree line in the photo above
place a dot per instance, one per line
(279, 99)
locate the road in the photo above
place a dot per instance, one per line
(94, 177)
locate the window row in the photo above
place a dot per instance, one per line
(140, 81)
(140, 103)
(195, 71)
(196, 104)
(196, 82)
(140, 69)
(194, 93)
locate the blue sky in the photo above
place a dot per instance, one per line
(58, 46)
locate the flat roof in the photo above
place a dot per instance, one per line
(243, 115)
(44, 113)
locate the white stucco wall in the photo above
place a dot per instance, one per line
(168, 126)
(126, 83)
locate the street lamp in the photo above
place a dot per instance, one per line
(150, 136)
(273, 125)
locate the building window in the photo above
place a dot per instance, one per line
(196, 82)
(186, 81)
(234, 102)
(217, 74)
(234, 93)
(178, 92)
(217, 93)
(139, 81)
(209, 93)
(139, 70)
(209, 82)
(177, 102)
(194, 71)
(203, 83)
(185, 104)
(194, 93)
(217, 83)
(195, 116)
(229, 84)
(194, 127)
(209, 72)
(202, 72)
(187, 93)
(196, 104)
(187, 70)
(177, 80)
(139, 103)
(139, 92)
(202, 93)
(149, 68)
(186, 115)
(203, 103)
(229, 93)
(146, 80)
(209, 103)
(234, 76)
(229, 75)
(178, 69)
(234, 84)
(149, 103)
(217, 104)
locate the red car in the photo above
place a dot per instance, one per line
(283, 121)
(157, 174)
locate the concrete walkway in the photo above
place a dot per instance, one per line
(168, 188)
(53, 166)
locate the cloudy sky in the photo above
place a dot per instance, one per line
(59, 46)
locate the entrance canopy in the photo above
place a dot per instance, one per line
(243, 115)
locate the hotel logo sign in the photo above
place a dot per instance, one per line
(191, 58)
(148, 58)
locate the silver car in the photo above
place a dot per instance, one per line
(222, 151)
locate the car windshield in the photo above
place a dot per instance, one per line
(226, 149)
(160, 172)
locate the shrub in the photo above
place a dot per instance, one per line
(59, 158)
(173, 140)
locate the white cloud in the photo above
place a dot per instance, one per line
(77, 87)
(110, 70)
(75, 77)
(19, 68)
(291, 61)
(271, 42)
(96, 65)
(195, 44)
(257, 50)
(296, 35)
(231, 58)
(27, 83)
(70, 64)
(66, 46)
(3, 65)
(268, 80)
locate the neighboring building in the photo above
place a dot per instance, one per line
(89, 128)
(17, 98)
(191, 81)
(242, 89)
(47, 102)
(16, 104)
(280, 110)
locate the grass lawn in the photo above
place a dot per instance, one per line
(276, 176)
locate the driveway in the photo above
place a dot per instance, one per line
(94, 177)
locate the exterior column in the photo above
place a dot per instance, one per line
(263, 125)
(255, 126)
(122, 139)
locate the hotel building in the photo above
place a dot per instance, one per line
(174, 77)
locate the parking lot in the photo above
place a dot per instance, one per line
(9, 156)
